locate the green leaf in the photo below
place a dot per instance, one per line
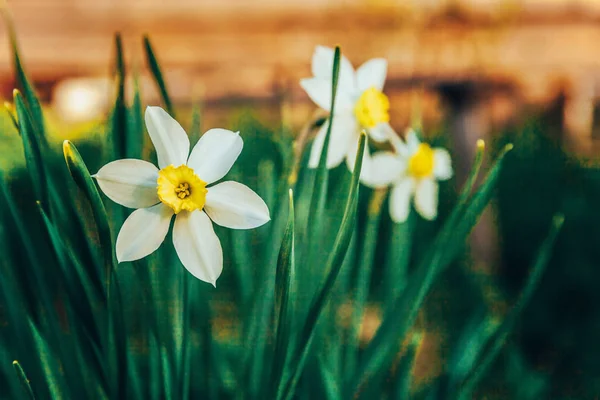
(12, 115)
(76, 277)
(23, 380)
(469, 347)
(83, 179)
(321, 180)
(404, 370)
(35, 279)
(284, 283)
(158, 76)
(506, 327)
(333, 265)
(196, 126)
(118, 118)
(135, 124)
(31, 147)
(116, 344)
(22, 81)
(472, 178)
(54, 379)
(445, 248)
(397, 261)
(363, 277)
(167, 373)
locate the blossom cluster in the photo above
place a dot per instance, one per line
(184, 184)
(412, 168)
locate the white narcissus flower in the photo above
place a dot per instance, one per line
(180, 188)
(414, 171)
(360, 104)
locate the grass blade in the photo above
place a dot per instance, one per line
(135, 124)
(13, 117)
(404, 370)
(50, 365)
(284, 282)
(23, 82)
(363, 278)
(23, 380)
(447, 245)
(319, 195)
(397, 261)
(83, 179)
(31, 148)
(157, 74)
(499, 337)
(118, 118)
(333, 265)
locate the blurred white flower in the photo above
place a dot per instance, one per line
(360, 104)
(414, 171)
(180, 188)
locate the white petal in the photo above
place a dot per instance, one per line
(143, 232)
(170, 140)
(214, 154)
(399, 146)
(233, 205)
(322, 67)
(442, 164)
(412, 141)
(343, 132)
(384, 168)
(129, 182)
(319, 91)
(426, 198)
(400, 199)
(371, 74)
(382, 132)
(197, 246)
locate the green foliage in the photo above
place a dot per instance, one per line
(84, 327)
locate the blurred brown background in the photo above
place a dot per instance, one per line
(485, 59)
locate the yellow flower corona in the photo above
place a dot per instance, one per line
(421, 163)
(372, 108)
(181, 189)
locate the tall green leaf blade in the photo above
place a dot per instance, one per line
(397, 261)
(116, 345)
(76, 278)
(499, 337)
(23, 81)
(319, 194)
(363, 276)
(284, 283)
(135, 124)
(36, 279)
(118, 117)
(83, 179)
(23, 380)
(196, 126)
(55, 381)
(167, 373)
(404, 370)
(31, 147)
(157, 74)
(333, 266)
(448, 243)
(12, 115)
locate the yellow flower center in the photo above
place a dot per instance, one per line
(420, 164)
(181, 189)
(372, 108)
